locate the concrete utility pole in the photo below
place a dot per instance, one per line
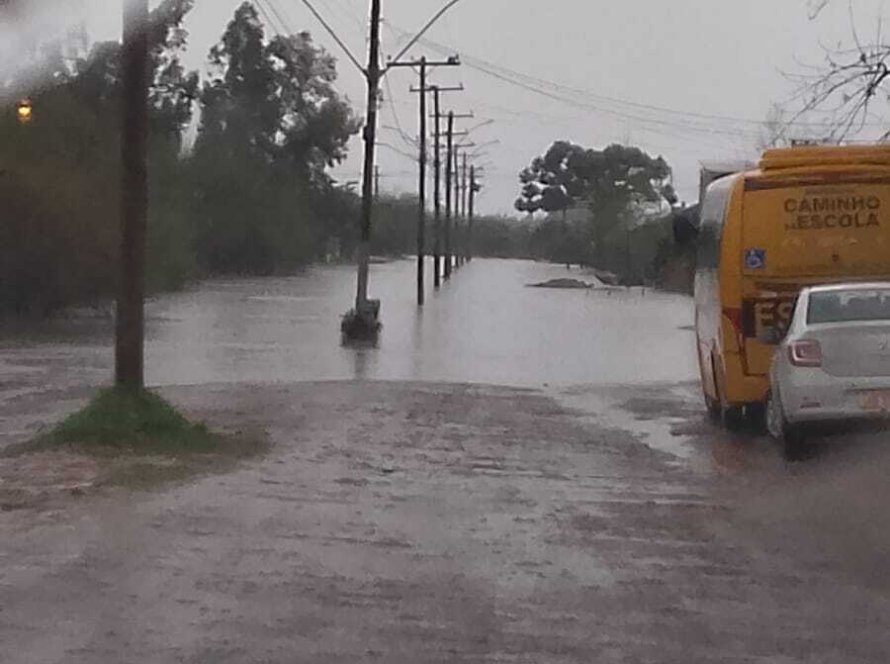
(129, 349)
(364, 319)
(423, 64)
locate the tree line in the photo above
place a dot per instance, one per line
(238, 165)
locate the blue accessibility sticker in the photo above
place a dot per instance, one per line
(755, 259)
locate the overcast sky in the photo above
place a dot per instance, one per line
(647, 72)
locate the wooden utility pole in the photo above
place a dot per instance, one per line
(449, 183)
(437, 158)
(129, 350)
(423, 64)
(463, 208)
(450, 172)
(474, 189)
(437, 193)
(421, 190)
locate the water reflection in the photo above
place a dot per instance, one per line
(483, 326)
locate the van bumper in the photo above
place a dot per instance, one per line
(742, 388)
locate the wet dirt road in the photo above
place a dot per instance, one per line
(439, 521)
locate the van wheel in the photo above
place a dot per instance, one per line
(733, 417)
(713, 407)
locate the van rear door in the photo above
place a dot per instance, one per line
(804, 229)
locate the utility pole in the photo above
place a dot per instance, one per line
(376, 183)
(474, 189)
(448, 186)
(455, 253)
(370, 135)
(449, 183)
(437, 193)
(437, 159)
(129, 350)
(459, 201)
(423, 64)
(363, 320)
(463, 205)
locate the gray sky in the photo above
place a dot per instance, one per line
(619, 63)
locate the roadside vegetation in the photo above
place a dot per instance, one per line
(238, 163)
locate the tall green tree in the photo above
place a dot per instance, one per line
(270, 107)
(616, 184)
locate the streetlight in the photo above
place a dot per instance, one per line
(24, 111)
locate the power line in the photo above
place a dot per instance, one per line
(334, 36)
(261, 6)
(560, 91)
(395, 115)
(425, 29)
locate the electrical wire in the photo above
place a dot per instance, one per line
(265, 12)
(334, 36)
(425, 29)
(570, 94)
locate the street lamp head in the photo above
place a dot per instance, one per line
(454, 60)
(24, 111)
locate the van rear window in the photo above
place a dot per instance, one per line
(849, 306)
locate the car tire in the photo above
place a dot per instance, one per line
(789, 436)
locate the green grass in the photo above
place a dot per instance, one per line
(123, 420)
(143, 440)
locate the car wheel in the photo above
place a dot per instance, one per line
(794, 444)
(775, 418)
(790, 436)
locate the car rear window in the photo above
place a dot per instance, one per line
(849, 306)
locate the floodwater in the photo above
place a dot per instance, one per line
(483, 326)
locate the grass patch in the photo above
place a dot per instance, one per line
(122, 420)
(142, 441)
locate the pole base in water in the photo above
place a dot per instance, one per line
(362, 324)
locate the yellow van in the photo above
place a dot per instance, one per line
(808, 215)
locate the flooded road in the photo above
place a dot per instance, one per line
(484, 326)
(517, 475)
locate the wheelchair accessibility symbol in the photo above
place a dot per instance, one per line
(755, 259)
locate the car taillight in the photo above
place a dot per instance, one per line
(805, 353)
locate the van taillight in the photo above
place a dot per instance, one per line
(805, 353)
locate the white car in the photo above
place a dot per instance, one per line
(834, 361)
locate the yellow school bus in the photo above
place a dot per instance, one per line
(807, 215)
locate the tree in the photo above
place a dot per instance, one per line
(616, 183)
(271, 124)
(275, 98)
(173, 89)
(848, 85)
